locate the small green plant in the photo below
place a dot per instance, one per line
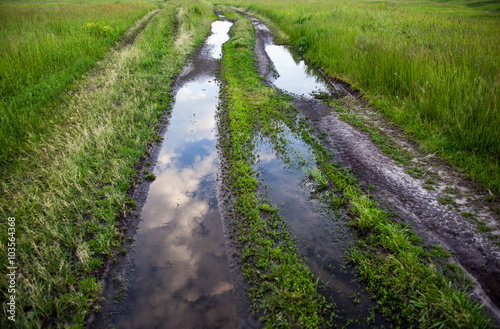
(302, 20)
(415, 172)
(149, 175)
(446, 200)
(302, 45)
(468, 215)
(317, 176)
(482, 227)
(267, 208)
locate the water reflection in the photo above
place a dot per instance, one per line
(294, 75)
(179, 277)
(322, 239)
(218, 37)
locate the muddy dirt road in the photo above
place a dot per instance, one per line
(181, 271)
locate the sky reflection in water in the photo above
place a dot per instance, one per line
(181, 277)
(294, 76)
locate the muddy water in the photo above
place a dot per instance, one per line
(178, 275)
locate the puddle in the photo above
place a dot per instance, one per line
(294, 76)
(322, 237)
(218, 37)
(178, 275)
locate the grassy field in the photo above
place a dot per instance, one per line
(432, 67)
(68, 186)
(44, 48)
(78, 110)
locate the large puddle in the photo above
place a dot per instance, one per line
(179, 276)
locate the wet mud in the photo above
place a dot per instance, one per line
(396, 190)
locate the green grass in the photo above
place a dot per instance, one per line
(70, 186)
(317, 176)
(431, 67)
(408, 282)
(44, 48)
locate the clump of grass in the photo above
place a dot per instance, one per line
(148, 175)
(267, 208)
(317, 176)
(446, 200)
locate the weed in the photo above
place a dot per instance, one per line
(468, 215)
(317, 176)
(446, 200)
(482, 227)
(267, 208)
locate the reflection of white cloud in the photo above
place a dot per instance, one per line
(221, 288)
(266, 157)
(179, 247)
(193, 116)
(188, 94)
(219, 35)
(293, 77)
(174, 188)
(166, 158)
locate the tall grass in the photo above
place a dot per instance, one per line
(433, 68)
(44, 48)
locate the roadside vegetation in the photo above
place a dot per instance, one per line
(44, 49)
(67, 184)
(433, 68)
(414, 286)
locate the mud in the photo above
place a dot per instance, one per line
(396, 190)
